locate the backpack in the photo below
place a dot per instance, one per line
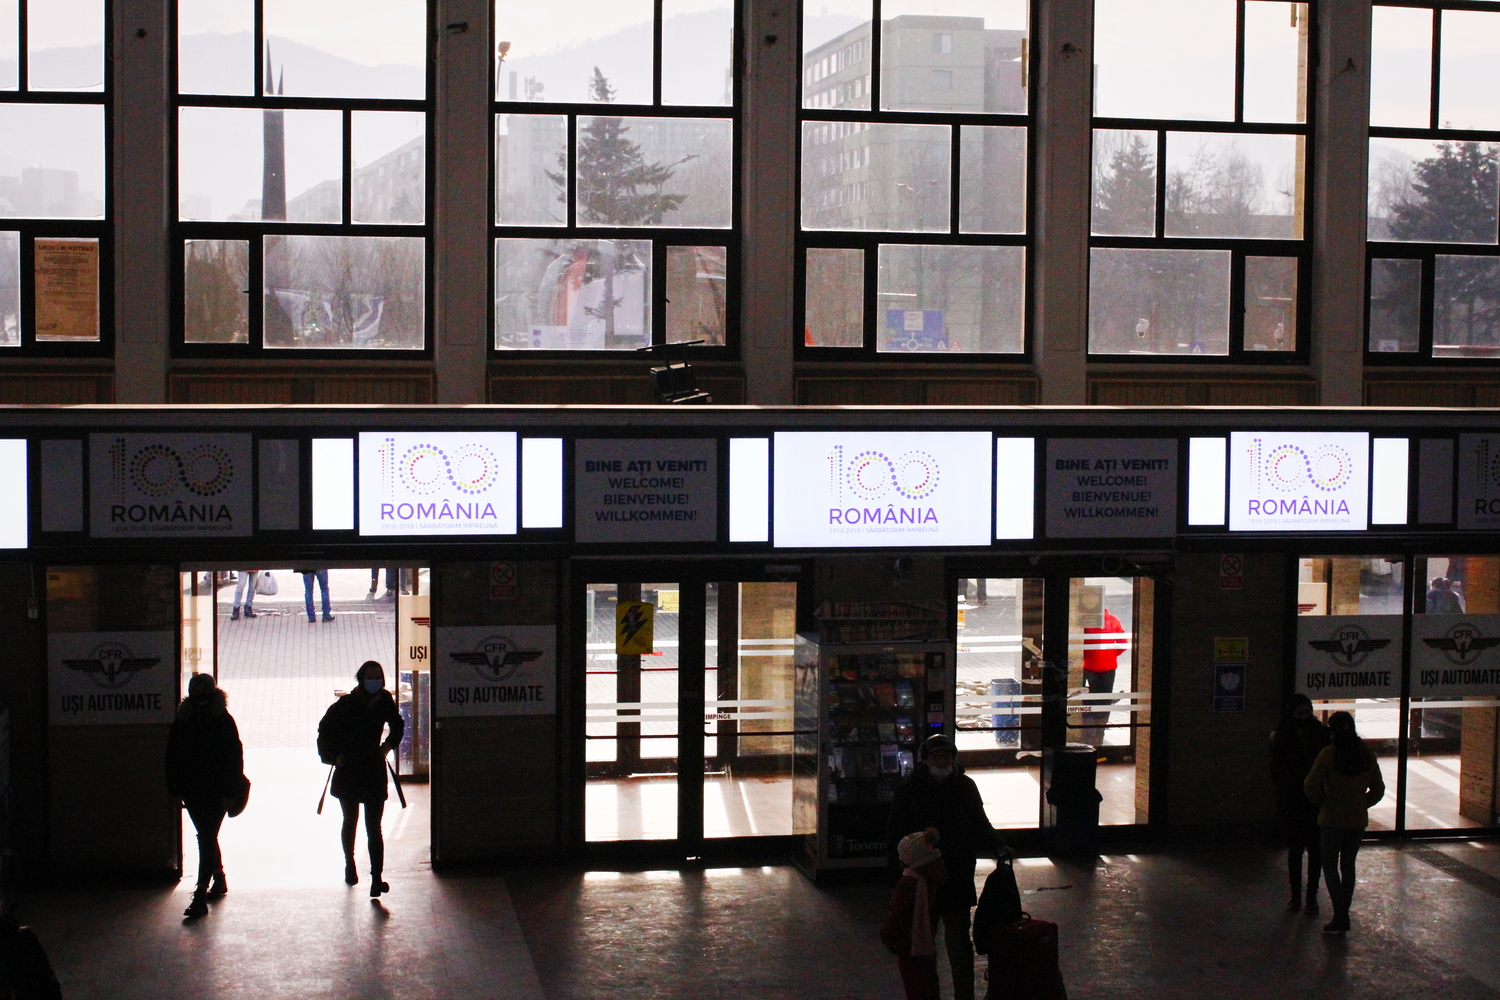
(999, 904)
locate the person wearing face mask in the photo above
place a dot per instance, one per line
(1295, 744)
(349, 739)
(938, 794)
(206, 773)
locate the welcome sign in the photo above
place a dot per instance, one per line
(447, 483)
(1299, 482)
(872, 488)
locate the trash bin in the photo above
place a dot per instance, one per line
(1005, 720)
(1071, 816)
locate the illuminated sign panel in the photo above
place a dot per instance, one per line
(1282, 481)
(871, 488)
(450, 483)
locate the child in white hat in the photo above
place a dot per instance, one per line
(908, 930)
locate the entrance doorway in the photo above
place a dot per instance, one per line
(687, 730)
(281, 668)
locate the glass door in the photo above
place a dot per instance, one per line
(414, 669)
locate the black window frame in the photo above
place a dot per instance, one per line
(869, 241)
(33, 228)
(661, 237)
(1239, 247)
(1428, 251)
(183, 231)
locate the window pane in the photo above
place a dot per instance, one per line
(216, 47)
(229, 168)
(992, 179)
(952, 55)
(1124, 183)
(697, 52)
(363, 292)
(1246, 186)
(65, 45)
(531, 165)
(347, 48)
(1164, 59)
(654, 172)
(10, 44)
(1468, 77)
(10, 289)
(574, 51)
(52, 161)
(834, 307)
(389, 152)
(1466, 307)
(1438, 192)
(1158, 301)
(861, 175)
(697, 278)
(836, 55)
(1270, 303)
(1395, 305)
(551, 295)
(1401, 67)
(216, 303)
(955, 299)
(1276, 36)
(65, 274)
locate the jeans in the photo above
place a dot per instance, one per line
(960, 948)
(247, 576)
(1099, 682)
(307, 592)
(390, 578)
(1340, 847)
(207, 817)
(373, 812)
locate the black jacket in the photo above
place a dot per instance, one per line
(205, 759)
(955, 808)
(1294, 747)
(352, 727)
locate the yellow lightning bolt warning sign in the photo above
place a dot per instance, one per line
(634, 628)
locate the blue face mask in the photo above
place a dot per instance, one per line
(373, 685)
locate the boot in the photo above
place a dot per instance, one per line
(199, 905)
(1311, 908)
(249, 611)
(377, 886)
(220, 887)
(351, 877)
(234, 615)
(1338, 925)
(1295, 903)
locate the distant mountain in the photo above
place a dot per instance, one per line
(225, 64)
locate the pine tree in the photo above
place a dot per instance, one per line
(1125, 190)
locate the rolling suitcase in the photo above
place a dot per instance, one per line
(1023, 962)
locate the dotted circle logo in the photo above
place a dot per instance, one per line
(425, 468)
(157, 470)
(873, 474)
(1290, 468)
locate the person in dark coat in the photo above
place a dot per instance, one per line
(206, 773)
(349, 739)
(939, 794)
(1295, 744)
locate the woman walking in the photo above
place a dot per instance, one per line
(349, 739)
(206, 773)
(1344, 783)
(1295, 745)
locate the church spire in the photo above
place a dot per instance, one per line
(273, 172)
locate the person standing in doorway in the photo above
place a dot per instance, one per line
(1295, 744)
(390, 583)
(244, 588)
(938, 794)
(206, 773)
(321, 575)
(349, 739)
(1441, 600)
(1344, 782)
(1101, 659)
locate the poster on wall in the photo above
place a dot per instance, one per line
(67, 289)
(654, 490)
(1111, 488)
(437, 483)
(111, 678)
(169, 486)
(1455, 655)
(1479, 482)
(1349, 656)
(1280, 481)
(495, 670)
(873, 488)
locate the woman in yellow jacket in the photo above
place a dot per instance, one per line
(1344, 783)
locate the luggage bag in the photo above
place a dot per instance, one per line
(1023, 962)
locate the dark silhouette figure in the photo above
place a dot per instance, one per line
(1295, 745)
(206, 773)
(349, 739)
(1344, 783)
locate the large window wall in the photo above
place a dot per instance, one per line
(1199, 180)
(1434, 279)
(614, 214)
(55, 250)
(302, 196)
(913, 218)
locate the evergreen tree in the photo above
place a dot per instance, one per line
(1125, 190)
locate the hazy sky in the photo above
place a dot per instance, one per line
(369, 32)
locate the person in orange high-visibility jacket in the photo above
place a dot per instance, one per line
(1101, 655)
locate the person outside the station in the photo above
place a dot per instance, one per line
(1441, 600)
(349, 739)
(206, 773)
(1101, 659)
(308, 576)
(1295, 745)
(938, 794)
(1344, 782)
(907, 931)
(244, 589)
